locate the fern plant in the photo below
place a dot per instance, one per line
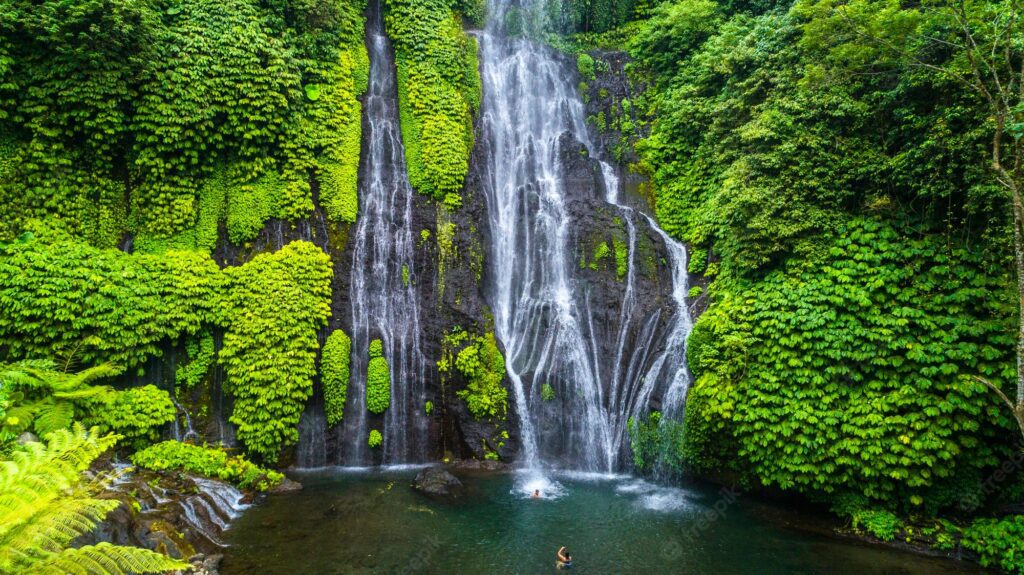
(46, 503)
(43, 399)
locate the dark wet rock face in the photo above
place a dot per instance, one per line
(177, 514)
(438, 482)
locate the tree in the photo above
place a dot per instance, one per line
(45, 504)
(978, 44)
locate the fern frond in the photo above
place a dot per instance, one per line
(25, 415)
(86, 377)
(93, 392)
(103, 559)
(56, 526)
(53, 415)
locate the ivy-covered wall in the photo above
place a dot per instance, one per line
(74, 302)
(163, 121)
(439, 90)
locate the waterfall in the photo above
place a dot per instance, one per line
(385, 303)
(541, 309)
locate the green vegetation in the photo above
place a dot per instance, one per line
(273, 308)
(656, 443)
(439, 90)
(200, 350)
(834, 164)
(163, 120)
(585, 66)
(547, 393)
(213, 462)
(879, 523)
(845, 373)
(75, 302)
(375, 439)
(48, 502)
(69, 300)
(334, 370)
(998, 542)
(44, 400)
(137, 415)
(483, 366)
(378, 379)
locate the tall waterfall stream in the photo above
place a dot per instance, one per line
(540, 307)
(385, 304)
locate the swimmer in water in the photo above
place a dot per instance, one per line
(536, 494)
(564, 560)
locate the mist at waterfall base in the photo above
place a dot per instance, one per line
(372, 522)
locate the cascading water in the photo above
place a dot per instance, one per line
(541, 310)
(385, 303)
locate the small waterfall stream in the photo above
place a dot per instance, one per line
(541, 309)
(385, 303)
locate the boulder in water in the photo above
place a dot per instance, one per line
(437, 481)
(286, 486)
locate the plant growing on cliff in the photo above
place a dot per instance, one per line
(375, 439)
(483, 366)
(378, 379)
(137, 415)
(67, 300)
(45, 400)
(274, 306)
(981, 54)
(47, 503)
(213, 462)
(200, 351)
(334, 371)
(438, 92)
(547, 393)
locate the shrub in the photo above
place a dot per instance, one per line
(138, 414)
(334, 370)
(273, 309)
(375, 439)
(213, 462)
(484, 368)
(880, 523)
(378, 380)
(64, 298)
(438, 91)
(998, 542)
(585, 65)
(376, 348)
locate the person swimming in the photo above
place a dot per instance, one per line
(564, 560)
(536, 494)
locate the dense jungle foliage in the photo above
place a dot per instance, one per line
(847, 176)
(834, 168)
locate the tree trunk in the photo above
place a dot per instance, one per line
(1018, 247)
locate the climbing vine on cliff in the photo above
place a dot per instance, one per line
(117, 116)
(273, 309)
(438, 90)
(378, 379)
(334, 369)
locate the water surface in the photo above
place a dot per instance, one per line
(373, 522)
